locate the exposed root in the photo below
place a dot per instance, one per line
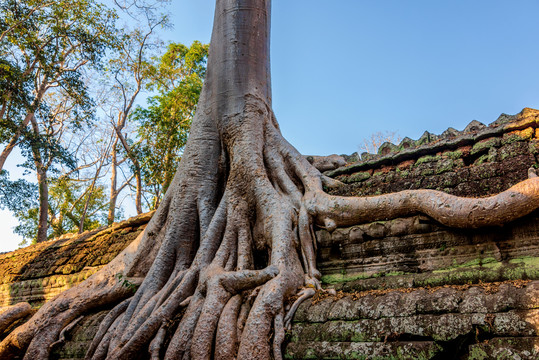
(156, 344)
(231, 297)
(107, 322)
(62, 337)
(279, 335)
(453, 211)
(10, 314)
(304, 294)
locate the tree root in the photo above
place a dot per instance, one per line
(62, 337)
(304, 294)
(10, 314)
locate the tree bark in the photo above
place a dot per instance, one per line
(42, 225)
(31, 112)
(113, 184)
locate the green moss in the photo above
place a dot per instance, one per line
(472, 263)
(482, 159)
(427, 158)
(404, 173)
(358, 177)
(511, 138)
(477, 353)
(526, 260)
(484, 145)
(533, 147)
(454, 155)
(445, 166)
(343, 277)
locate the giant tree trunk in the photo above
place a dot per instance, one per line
(233, 238)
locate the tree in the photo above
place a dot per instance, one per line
(232, 239)
(76, 207)
(46, 45)
(372, 143)
(129, 68)
(163, 126)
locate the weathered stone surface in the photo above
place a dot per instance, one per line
(449, 320)
(38, 273)
(363, 350)
(523, 348)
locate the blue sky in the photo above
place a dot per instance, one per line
(342, 70)
(345, 69)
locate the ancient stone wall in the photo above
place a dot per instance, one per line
(479, 161)
(39, 272)
(494, 321)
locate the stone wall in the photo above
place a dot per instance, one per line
(481, 160)
(408, 288)
(494, 321)
(39, 272)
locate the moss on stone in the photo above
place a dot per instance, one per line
(427, 158)
(445, 166)
(484, 145)
(477, 353)
(404, 173)
(510, 138)
(358, 177)
(454, 155)
(482, 159)
(342, 278)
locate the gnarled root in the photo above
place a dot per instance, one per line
(453, 211)
(10, 314)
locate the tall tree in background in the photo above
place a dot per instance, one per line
(233, 238)
(163, 126)
(129, 71)
(47, 43)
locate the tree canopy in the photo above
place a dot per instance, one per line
(70, 77)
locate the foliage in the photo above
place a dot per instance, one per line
(15, 96)
(46, 47)
(51, 53)
(66, 204)
(68, 199)
(164, 125)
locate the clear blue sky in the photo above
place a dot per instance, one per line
(345, 69)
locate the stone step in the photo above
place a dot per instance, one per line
(362, 350)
